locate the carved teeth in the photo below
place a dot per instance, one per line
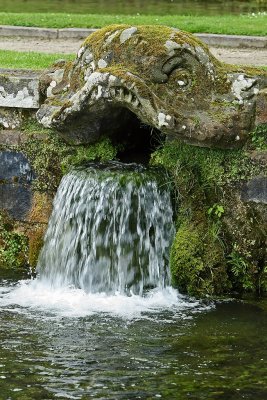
(128, 97)
(117, 92)
(124, 94)
(112, 92)
(121, 94)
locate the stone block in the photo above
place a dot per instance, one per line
(255, 190)
(15, 184)
(261, 108)
(10, 138)
(74, 33)
(19, 89)
(26, 31)
(15, 199)
(14, 167)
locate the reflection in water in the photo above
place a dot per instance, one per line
(159, 7)
(180, 352)
(72, 339)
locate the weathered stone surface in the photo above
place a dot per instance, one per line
(19, 89)
(166, 77)
(10, 137)
(14, 167)
(15, 199)
(10, 118)
(255, 190)
(15, 179)
(261, 107)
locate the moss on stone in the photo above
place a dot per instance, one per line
(197, 261)
(36, 240)
(51, 157)
(100, 151)
(13, 245)
(258, 137)
(214, 251)
(41, 208)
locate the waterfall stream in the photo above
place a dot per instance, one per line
(110, 231)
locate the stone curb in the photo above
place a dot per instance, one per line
(259, 42)
(236, 41)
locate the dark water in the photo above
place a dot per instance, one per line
(181, 349)
(159, 7)
(76, 339)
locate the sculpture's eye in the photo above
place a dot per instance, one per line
(177, 72)
(171, 65)
(181, 78)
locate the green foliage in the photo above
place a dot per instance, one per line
(240, 269)
(205, 167)
(30, 59)
(205, 181)
(13, 245)
(259, 137)
(100, 151)
(216, 210)
(224, 24)
(51, 157)
(197, 261)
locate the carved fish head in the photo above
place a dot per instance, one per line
(166, 77)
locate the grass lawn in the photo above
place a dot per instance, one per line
(34, 60)
(224, 24)
(30, 60)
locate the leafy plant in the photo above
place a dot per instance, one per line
(240, 268)
(13, 245)
(217, 210)
(259, 137)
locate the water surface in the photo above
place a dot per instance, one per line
(101, 321)
(72, 345)
(158, 7)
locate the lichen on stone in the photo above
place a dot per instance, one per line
(154, 71)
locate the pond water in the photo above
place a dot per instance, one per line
(159, 7)
(101, 321)
(65, 344)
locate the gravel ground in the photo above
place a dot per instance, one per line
(229, 55)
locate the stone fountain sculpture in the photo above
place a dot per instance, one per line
(166, 77)
(160, 77)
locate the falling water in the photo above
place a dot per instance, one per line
(110, 231)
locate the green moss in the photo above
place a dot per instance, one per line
(45, 151)
(13, 245)
(100, 151)
(197, 261)
(218, 238)
(205, 167)
(50, 157)
(259, 137)
(35, 244)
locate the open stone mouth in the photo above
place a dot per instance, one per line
(118, 93)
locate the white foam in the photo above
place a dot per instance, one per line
(36, 295)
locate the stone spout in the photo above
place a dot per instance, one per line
(164, 76)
